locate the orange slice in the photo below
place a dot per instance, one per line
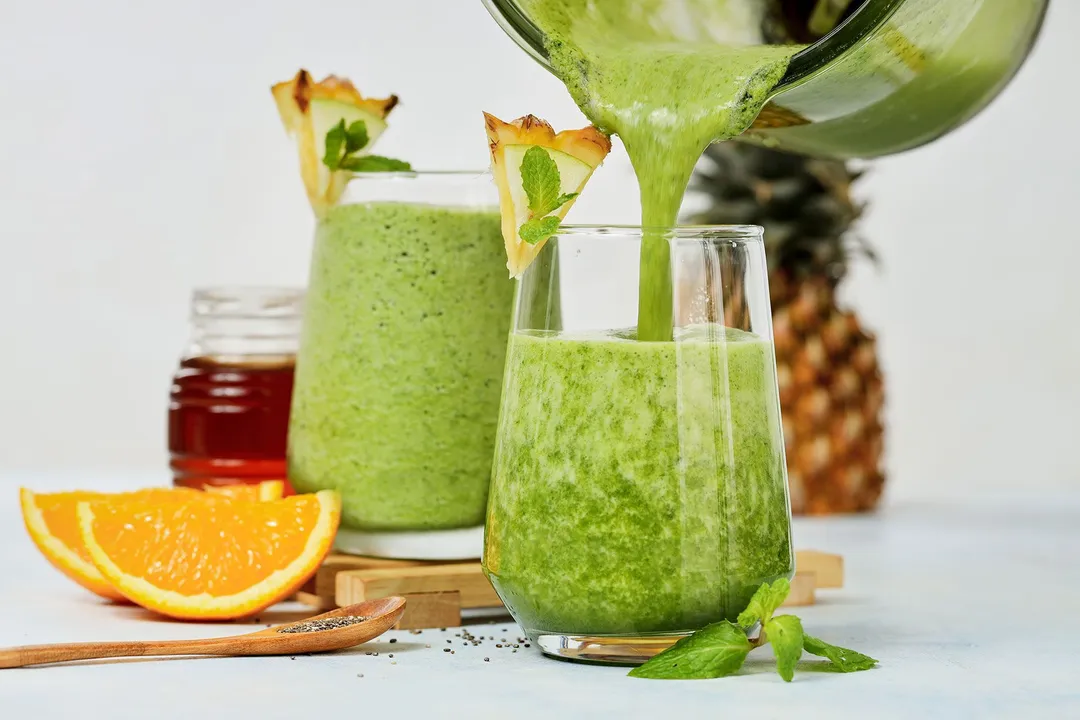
(53, 526)
(209, 560)
(259, 492)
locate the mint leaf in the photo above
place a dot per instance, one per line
(342, 144)
(374, 163)
(336, 140)
(540, 180)
(562, 200)
(785, 634)
(538, 230)
(714, 651)
(356, 137)
(842, 659)
(765, 602)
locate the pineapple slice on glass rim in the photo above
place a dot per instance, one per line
(576, 154)
(309, 111)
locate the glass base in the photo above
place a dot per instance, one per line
(459, 544)
(606, 649)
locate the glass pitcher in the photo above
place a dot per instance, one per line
(890, 76)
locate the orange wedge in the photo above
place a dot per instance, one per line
(259, 492)
(209, 559)
(53, 526)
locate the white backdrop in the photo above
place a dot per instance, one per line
(141, 154)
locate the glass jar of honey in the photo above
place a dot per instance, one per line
(230, 397)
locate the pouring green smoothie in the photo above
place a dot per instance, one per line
(666, 98)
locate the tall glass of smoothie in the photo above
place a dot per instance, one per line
(638, 490)
(400, 363)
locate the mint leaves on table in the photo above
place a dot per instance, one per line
(719, 649)
(541, 181)
(714, 651)
(344, 141)
(843, 660)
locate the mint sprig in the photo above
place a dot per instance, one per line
(343, 142)
(719, 649)
(542, 182)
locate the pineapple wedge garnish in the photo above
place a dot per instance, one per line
(576, 153)
(309, 111)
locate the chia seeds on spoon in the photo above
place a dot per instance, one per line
(330, 623)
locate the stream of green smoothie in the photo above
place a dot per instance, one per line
(668, 87)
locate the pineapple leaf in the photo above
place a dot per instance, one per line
(806, 206)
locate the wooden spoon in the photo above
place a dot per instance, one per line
(380, 616)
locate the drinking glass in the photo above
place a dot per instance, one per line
(638, 488)
(400, 362)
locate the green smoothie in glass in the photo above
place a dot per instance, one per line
(402, 350)
(637, 487)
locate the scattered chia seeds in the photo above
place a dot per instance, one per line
(330, 623)
(393, 640)
(447, 650)
(487, 659)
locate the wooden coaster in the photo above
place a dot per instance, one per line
(437, 592)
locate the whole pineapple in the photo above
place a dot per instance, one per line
(831, 390)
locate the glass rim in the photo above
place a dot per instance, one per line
(745, 233)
